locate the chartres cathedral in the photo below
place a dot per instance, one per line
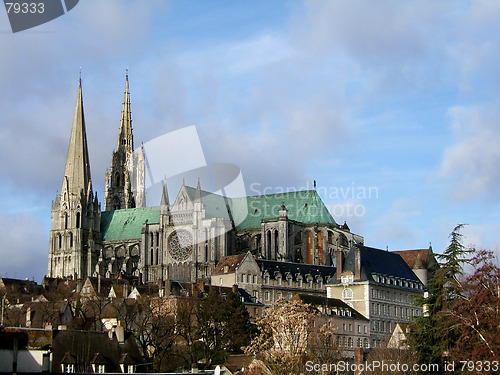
(181, 239)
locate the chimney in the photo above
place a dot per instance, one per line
(167, 287)
(125, 290)
(120, 333)
(160, 283)
(202, 286)
(357, 263)
(235, 288)
(339, 263)
(28, 317)
(358, 359)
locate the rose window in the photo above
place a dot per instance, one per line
(180, 245)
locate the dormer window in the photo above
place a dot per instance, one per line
(347, 279)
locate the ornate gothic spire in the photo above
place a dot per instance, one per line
(77, 171)
(125, 137)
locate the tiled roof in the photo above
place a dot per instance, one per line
(231, 261)
(411, 256)
(127, 224)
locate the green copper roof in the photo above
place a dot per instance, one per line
(303, 206)
(215, 205)
(127, 224)
(248, 212)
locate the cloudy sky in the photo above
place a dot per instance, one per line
(392, 107)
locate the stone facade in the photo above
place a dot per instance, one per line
(380, 285)
(180, 240)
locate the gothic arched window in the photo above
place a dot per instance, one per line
(276, 244)
(347, 294)
(116, 204)
(78, 218)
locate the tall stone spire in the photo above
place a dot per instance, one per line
(125, 137)
(77, 172)
(76, 214)
(119, 189)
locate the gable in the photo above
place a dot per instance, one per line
(183, 200)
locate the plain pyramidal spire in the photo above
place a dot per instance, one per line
(164, 195)
(77, 171)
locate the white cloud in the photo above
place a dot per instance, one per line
(471, 163)
(395, 225)
(24, 247)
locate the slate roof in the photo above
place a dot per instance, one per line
(295, 269)
(380, 262)
(85, 346)
(247, 212)
(316, 300)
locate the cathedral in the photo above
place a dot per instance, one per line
(182, 239)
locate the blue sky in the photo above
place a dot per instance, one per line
(399, 99)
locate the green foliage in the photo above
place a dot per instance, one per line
(223, 326)
(461, 319)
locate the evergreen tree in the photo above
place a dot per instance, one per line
(223, 326)
(435, 333)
